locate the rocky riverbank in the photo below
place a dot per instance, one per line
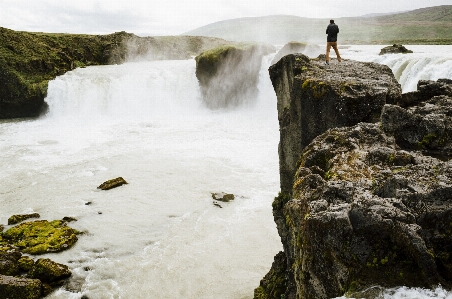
(363, 201)
(22, 277)
(29, 60)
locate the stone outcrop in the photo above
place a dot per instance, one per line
(228, 75)
(313, 98)
(224, 197)
(394, 49)
(367, 204)
(29, 60)
(311, 50)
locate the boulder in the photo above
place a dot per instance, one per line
(14, 219)
(20, 288)
(311, 50)
(394, 49)
(9, 259)
(313, 98)
(110, 184)
(48, 271)
(41, 236)
(364, 212)
(228, 75)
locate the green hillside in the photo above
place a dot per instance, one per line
(432, 25)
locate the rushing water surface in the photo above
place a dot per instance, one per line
(160, 236)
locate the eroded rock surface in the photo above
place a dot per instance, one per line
(113, 183)
(313, 98)
(14, 219)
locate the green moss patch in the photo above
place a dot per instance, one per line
(41, 236)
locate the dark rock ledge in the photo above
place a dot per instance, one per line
(367, 204)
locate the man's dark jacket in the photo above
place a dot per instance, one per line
(332, 30)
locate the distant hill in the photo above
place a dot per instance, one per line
(431, 25)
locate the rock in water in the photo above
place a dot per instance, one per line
(313, 98)
(48, 271)
(394, 49)
(14, 219)
(20, 288)
(224, 197)
(110, 184)
(41, 236)
(228, 75)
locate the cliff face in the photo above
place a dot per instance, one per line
(29, 60)
(313, 98)
(361, 208)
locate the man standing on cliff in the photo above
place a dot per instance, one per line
(331, 41)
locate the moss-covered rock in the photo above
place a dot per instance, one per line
(19, 288)
(9, 258)
(14, 219)
(110, 184)
(224, 197)
(25, 263)
(48, 271)
(41, 236)
(228, 75)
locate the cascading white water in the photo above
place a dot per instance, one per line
(426, 63)
(160, 236)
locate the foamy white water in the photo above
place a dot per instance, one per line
(160, 236)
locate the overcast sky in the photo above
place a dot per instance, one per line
(172, 17)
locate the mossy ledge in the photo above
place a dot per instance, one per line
(29, 60)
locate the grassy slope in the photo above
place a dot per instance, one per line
(431, 25)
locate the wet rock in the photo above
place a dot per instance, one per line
(48, 271)
(228, 75)
(313, 98)
(14, 219)
(378, 215)
(394, 49)
(2, 227)
(311, 50)
(224, 197)
(110, 184)
(41, 236)
(275, 283)
(9, 260)
(19, 288)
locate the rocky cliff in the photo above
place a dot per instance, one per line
(313, 98)
(29, 60)
(367, 204)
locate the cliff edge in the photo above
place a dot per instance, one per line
(363, 202)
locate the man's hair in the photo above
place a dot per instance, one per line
(331, 21)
